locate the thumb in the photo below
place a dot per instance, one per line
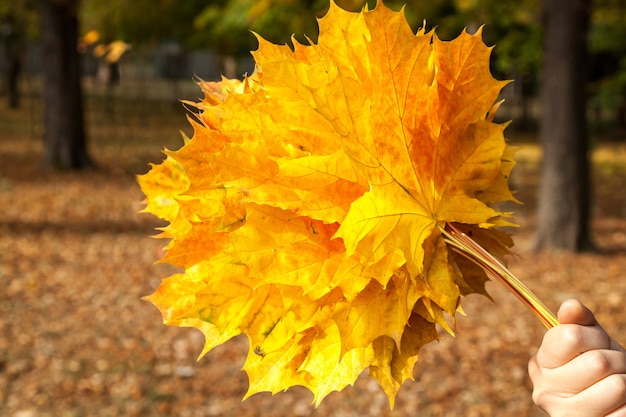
(574, 312)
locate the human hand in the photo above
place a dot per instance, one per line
(579, 370)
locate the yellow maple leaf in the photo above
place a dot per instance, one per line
(323, 205)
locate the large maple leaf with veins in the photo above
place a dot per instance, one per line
(324, 205)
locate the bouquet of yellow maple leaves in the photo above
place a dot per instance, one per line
(334, 206)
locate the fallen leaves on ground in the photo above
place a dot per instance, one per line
(76, 340)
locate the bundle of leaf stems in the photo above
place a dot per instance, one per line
(468, 247)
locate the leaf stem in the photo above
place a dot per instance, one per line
(468, 247)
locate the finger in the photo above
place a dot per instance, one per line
(566, 341)
(584, 371)
(574, 312)
(603, 397)
(534, 371)
(619, 412)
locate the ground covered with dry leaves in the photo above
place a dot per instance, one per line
(77, 340)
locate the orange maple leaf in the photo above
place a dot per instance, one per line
(323, 205)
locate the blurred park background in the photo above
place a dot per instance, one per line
(75, 253)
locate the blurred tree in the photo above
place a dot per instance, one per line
(16, 26)
(226, 26)
(515, 30)
(608, 53)
(564, 195)
(64, 137)
(11, 40)
(143, 21)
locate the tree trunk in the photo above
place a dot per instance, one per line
(64, 138)
(564, 193)
(12, 40)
